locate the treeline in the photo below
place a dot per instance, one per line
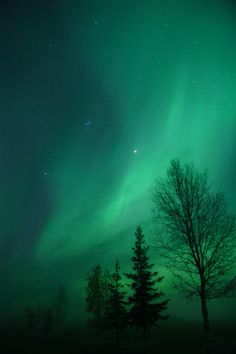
(195, 235)
(41, 321)
(114, 309)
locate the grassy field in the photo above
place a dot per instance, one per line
(168, 339)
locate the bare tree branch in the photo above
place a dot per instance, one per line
(196, 234)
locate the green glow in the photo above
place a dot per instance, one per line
(171, 75)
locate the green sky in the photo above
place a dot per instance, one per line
(96, 97)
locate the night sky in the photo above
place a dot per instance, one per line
(96, 97)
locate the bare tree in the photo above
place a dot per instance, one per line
(196, 234)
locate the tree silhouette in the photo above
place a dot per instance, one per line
(59, 307)
(106, 286)
(30, 321)
(13, 326)
(47, 321)
(144, 311)
(97, 294)
(116, 315)
(196, 234)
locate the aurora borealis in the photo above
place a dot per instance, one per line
(96, 98)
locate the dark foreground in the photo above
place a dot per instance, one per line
(169, 339)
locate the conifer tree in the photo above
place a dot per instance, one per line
(116, 316)
(97, 294)
(145, 311)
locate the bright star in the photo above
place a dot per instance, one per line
(88, 123)
(135, 151)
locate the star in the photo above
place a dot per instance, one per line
(135, 151)
(88, 123)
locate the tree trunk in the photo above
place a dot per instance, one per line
(144, 333)
(117, 340)
(206, 323)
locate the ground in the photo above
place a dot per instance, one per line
(167, 339)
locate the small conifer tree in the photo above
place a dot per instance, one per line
(145, 311)
(116, 316)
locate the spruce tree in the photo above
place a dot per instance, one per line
(116, 316)
(145, 311)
